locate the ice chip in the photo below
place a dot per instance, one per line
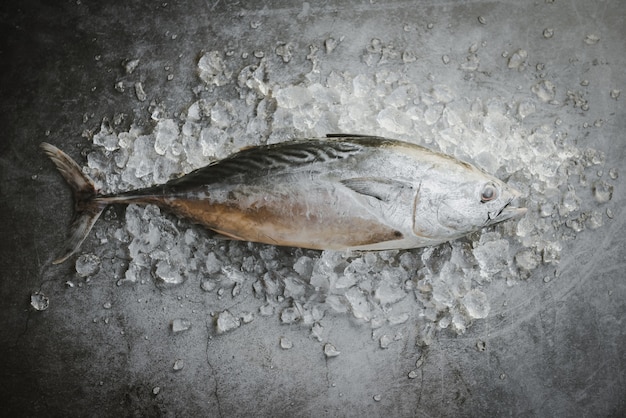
(330, 350)
(294, 288)
(166, 132)
(304, 266)
(180, 324)
(394, 121)
(222, 114)
(330, 44)
(106, 137)
(398, 319)
(227, 322)
(551, 252)
(594, 220)
(87, 265)
(316, 331)
(39, 301)
(285, 51)
(285, 343)
(386, 293)
(433, 113)
(385, 341)
(178, 365)
(545, 90)
(168, 274)
(592, 39)
(518, 59)
(139, 92)
(602, 191)
(459, 322)
(247, 317)
(290, 315)
(362, 85)
(163, 170)
(525, 108)
(292, 97)
(131, 65)
(527, 259)
(569, 203)
(492, 257)
(212, 69)
(476, 304)
(358, 303)
(213, 264)
(266, 310)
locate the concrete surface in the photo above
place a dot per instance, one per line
(551, 349)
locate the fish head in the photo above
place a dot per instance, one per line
(460, 201)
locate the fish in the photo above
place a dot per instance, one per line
(343, 192)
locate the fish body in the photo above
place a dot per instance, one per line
(340, 193)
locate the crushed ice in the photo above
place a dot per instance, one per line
(436, 288)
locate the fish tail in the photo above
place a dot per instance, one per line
(87, 208)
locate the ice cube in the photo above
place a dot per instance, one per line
(518, 59)
(285, 343)
(304, 266)
(545, 90)
(492, 257)
(292, 97)
(387, 293)
(106, 137)
(180, 324)
(166, 133)
(87, 265)
(39, 301)
(290, 315)
(178, 365)
(168, 274)
(227, 322)
(602, 191)
(212, 69)
(330, 350)
(476, 304)
(222, 114)
(358, 303)
(526, 259)
(394, 121)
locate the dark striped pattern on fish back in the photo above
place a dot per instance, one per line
(259, 161)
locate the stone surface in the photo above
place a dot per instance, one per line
(184, 83)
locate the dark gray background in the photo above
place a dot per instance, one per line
(553, 349)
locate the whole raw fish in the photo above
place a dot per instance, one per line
(340, 193)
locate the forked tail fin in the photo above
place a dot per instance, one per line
(87, 208)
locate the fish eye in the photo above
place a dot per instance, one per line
(489, 192)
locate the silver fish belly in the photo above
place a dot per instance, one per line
(339, 193)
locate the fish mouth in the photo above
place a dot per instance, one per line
(508, 211)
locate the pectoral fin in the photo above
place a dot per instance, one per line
(385, 190)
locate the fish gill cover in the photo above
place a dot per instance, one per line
(533, 140)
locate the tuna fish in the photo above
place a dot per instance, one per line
(345, 192)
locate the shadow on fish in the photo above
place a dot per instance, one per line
(345, 192)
